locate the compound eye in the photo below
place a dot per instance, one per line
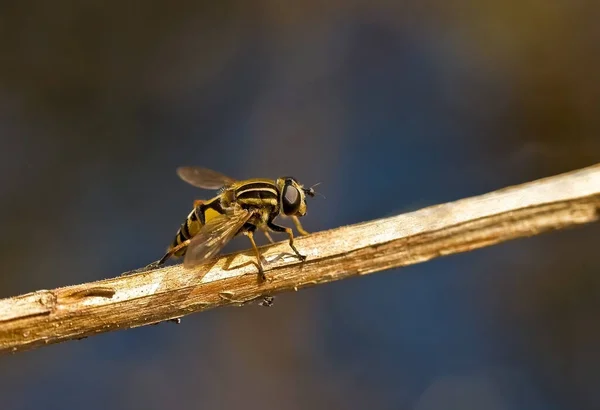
(291, 200)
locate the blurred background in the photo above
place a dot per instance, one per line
(412, 103)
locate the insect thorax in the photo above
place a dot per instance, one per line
(256, 195)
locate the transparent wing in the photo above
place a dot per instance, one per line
(214, 236)
(204, 177)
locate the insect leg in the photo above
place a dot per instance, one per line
(250, 235)
(290, 233)
(170, 253)
(299, 225)
(159, 262)
(268, 235)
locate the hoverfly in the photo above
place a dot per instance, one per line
(238, 207)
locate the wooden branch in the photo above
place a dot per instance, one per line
(73, 312)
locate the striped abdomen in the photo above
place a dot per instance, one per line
(190, 228)
(250, 194)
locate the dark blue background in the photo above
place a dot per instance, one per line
(392, 107)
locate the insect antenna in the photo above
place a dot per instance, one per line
(311, 191)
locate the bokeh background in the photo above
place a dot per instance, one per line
(392, 105)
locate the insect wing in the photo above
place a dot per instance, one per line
(214, 236)
(204, 177)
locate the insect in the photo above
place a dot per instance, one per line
(240, 207)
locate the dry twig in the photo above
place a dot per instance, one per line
(51, 316)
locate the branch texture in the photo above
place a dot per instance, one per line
(73, 312)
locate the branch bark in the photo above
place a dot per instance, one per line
(73, 312)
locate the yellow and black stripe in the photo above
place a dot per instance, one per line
(252, 193)
(263, 199)
(257, 193)
(193, 223)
